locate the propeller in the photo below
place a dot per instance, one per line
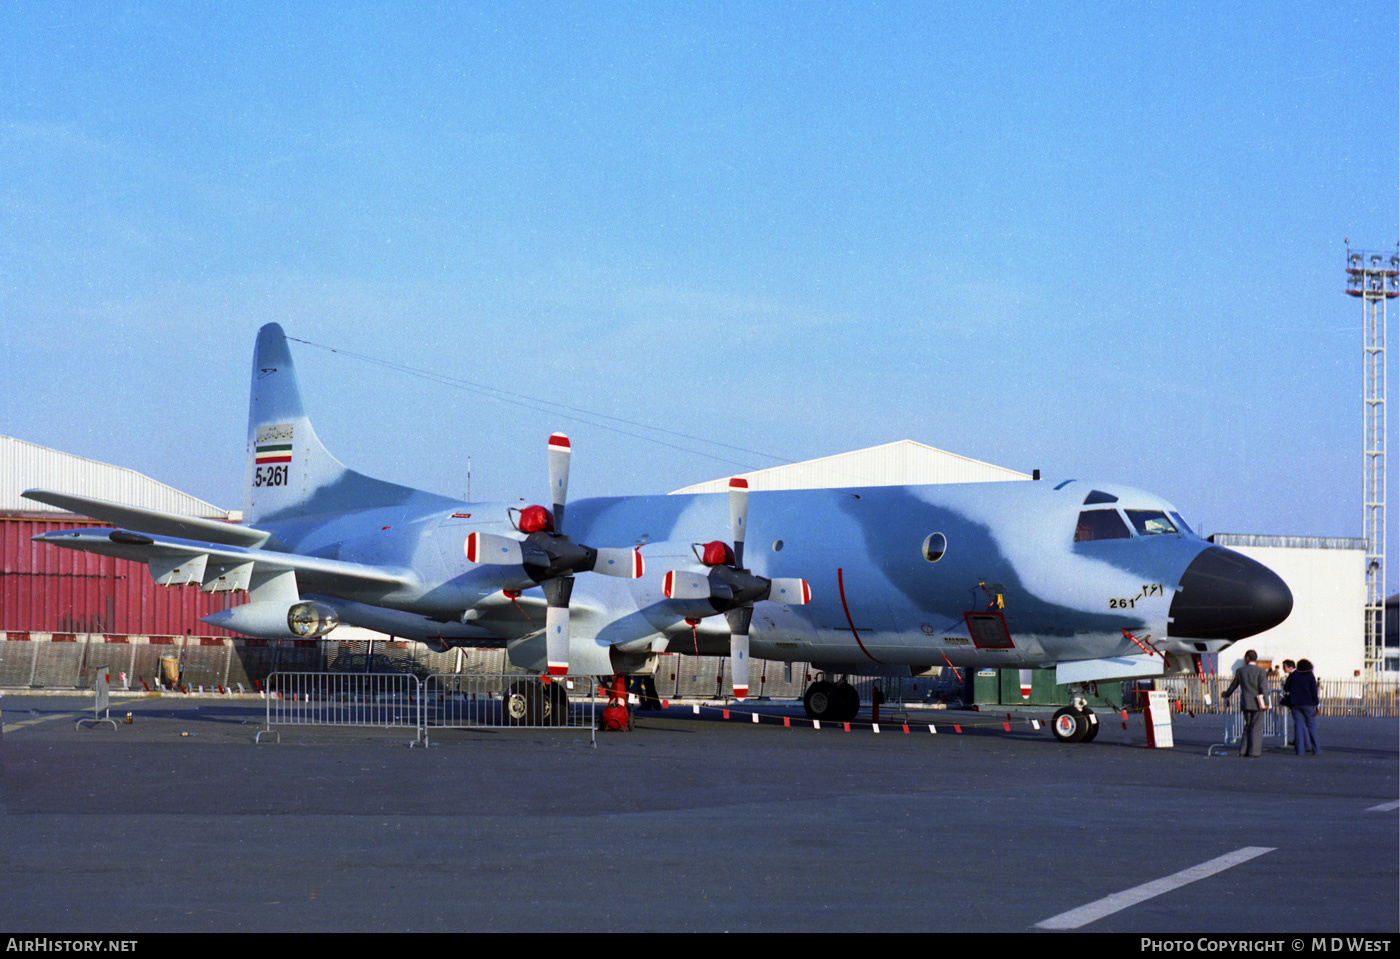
(549, 558)
(730, 588)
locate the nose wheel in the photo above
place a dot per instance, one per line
(1072, 724)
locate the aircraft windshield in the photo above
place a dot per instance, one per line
(1181, 523)
(1100, 524)
(1150, 522)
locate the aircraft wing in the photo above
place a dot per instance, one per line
(219, 567)
(150, 520)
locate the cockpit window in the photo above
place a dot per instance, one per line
(1181, 524)
(1150, 522)
(1100, 524)
(1099, 496)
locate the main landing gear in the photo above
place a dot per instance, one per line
(831, 702)
(536, 704)
(1075, 723)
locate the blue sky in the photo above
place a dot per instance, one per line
(1101, 240)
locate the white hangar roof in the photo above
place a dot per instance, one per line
(904, 463)
(31, 466)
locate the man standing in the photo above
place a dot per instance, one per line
(1253, 684)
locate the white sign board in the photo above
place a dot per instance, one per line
(1159, 719)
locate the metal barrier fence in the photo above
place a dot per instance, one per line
(66, 660)
(1340, 697)
(328, 699)
(1276, 720)
(477, 700)
(403, 701)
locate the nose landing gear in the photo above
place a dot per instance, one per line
(1076, 723)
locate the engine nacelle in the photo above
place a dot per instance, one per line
(303, 620)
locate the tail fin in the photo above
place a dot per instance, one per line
(289, 473)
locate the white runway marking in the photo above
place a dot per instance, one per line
(1385, 807)
(11, 725)
(1119, 901)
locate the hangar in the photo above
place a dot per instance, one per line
(66, 592)
(904, 463)
(64, 612)
(1327, 575)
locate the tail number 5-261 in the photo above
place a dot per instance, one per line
(270, 476)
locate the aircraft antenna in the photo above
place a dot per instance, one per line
(1374, 278)
(557, 409)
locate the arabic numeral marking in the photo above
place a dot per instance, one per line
(1121, 603)
(1151, 589)
(270, 476)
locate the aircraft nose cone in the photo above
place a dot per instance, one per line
(1225, 595)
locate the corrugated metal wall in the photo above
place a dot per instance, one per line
(47, 589)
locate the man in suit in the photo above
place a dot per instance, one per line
(1253, 684)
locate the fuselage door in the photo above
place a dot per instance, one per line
(988, 630)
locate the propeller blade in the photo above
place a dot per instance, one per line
(624, 563)
(793, 591)
(683, 584)
(559, 477)
(739, 620)
(556, 626)
(493, 550)
(738, 516)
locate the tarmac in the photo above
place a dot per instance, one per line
(179, 822)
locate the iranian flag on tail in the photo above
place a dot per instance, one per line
(273, 445)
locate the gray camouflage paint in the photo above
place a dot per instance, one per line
(392, 558)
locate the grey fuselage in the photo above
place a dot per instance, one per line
(1008, 550)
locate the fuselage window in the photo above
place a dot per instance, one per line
(1100, 524)
(1150, 522)
(935, 546)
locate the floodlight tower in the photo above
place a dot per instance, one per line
(1374, 278)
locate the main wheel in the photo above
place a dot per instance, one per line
(1091, 727)
(1068, 725)
(556, 705)
(820, 701)
(849, 702)
(524, 705)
